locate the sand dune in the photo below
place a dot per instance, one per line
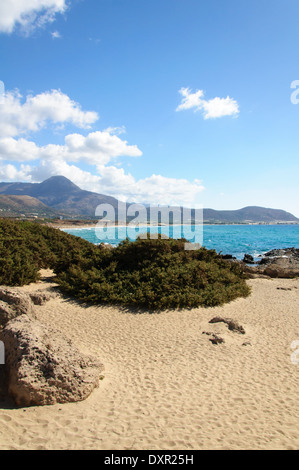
(167, 386)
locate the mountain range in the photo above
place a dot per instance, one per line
(58, 196)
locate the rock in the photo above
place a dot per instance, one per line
(41, 297)
(217, 320)
(231, 257)
(232, 324)
(247, 343)
(255, 272)
(216, 339)
(284, 252)
(274, 264)
(282, 263)
(248, 259)
(14, 303)
(43, 367)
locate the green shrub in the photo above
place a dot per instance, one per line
(27, 247)
(156, 274)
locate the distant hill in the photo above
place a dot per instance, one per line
(58, 195)
(61, 195)
(251, 214)
(16, 206)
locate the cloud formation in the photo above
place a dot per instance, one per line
(56, 35)
(211, 109)
(28, 14)
(23, 159)
(32, 115)
(110, 180)
(97, 148)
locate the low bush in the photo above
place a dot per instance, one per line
(26, 247)
(155, 274)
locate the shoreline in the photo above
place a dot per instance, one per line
(91, 226)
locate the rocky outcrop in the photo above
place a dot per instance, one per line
(43, 367)
(14, 303)
(282, 263)
(228, 257)
(40, 297)
(215, 339)
(292, 253)
(248, 259)
(232, 324)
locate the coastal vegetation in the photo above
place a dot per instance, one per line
(155, 274)
(26, 247)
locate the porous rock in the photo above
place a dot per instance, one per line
(14, 303)
(232, 324)
(44, 367)
(41, 297)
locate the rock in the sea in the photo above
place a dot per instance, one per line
(43, 367)
(14, 303)
(282, 263)
(248, 259)
(228, 257)
(283, 252)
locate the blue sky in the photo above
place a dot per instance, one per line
(169, 101)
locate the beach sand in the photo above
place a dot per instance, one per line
(167, 386)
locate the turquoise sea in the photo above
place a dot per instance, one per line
(228, 239)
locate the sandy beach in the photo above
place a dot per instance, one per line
(166, 386)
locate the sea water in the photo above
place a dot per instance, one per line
(227, 239)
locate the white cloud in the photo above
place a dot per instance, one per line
(116, 130)
(220, 107)
(18, 150)
(99, 149)
(157, 189)
(56, 35)
(191, 100)
(32, 115)
(112, 181)
(211, 109)
(28, 14)
(9, 173)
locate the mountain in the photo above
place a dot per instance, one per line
(15, 206)
(64, 197)
(250, 214)
(61, 195)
